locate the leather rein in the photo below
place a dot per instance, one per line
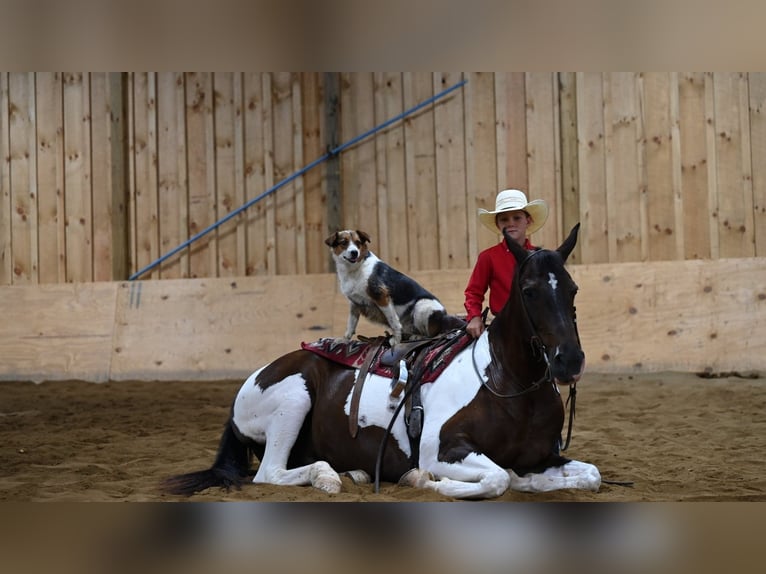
(537, 346)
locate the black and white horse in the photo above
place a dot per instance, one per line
(492, 419)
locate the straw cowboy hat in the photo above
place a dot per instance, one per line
(513, 200)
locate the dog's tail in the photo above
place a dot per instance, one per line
(442, 322)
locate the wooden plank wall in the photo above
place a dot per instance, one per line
(688, 316)
(102, 173)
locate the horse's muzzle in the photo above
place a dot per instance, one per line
(561, 369)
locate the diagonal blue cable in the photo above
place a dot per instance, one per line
(316, 162)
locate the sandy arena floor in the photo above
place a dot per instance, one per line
(678, 437)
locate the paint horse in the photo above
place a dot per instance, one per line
(492, 419)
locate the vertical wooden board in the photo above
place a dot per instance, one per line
(734, 236)
(284, 197)
(118, 150)
(712, 163)
(183, 169)
(449, 117)
(390, 165)
(659, 167)
(23, 194)
(591, 166)
(269, 178)
(226, 197)
(360, 203)
(6, 256)
(570, 180)
(145, 167)
(694, 183)
(481, 158)
(57, 331)
(315, 197)
(420, 160)
(254, 181)
(298, 182)
(50, 177)
(171, 195)
(381, 175)
(623, 182)
(510, 102)
(78, 181)
(201, 171)
(542, 159)
(101, 159)
(757, 82)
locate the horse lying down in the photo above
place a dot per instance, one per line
(492, 420)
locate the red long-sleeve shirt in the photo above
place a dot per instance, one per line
(494, 271)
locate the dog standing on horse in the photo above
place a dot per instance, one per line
(384, 295)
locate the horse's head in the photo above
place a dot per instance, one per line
(543, 292)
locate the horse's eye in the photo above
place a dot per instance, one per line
(529, 292)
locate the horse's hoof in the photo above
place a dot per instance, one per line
(358, 476)
(416, 478)
(328, 484)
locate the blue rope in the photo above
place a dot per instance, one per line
(331, 153)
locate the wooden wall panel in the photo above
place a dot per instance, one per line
(757, 107)
(102, 174)
(420, 163)
(173, 200)
(543, 154)
(593, 241)
(57, 332)
(6, 247)
(660, 198)
(314, 192)
(688, 316)
(390, 172)
(695, 198)
(450, 211)
(145, 222)
(734, 192)
(78, 189)
(482, 168)
(255, 174)
(219, 328)
(102, 184)
(22, 153)
(624, 178)
(286, 244)
(200, 160)
(50, 178)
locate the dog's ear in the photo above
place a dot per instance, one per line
(332, 241)
(363, 236)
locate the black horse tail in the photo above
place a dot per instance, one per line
(230, 469)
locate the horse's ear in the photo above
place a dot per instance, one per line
(518, 251)
(566, 248)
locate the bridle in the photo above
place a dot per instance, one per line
(539, 348)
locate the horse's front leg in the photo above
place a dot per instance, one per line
(476, 476)
(573, 474)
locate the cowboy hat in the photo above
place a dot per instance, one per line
(514, 200)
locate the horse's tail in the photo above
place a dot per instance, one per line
(231, 468)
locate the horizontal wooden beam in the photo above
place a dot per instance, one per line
(691, 316)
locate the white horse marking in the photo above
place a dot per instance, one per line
(552, 281)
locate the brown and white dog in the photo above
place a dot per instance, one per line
(384, 295)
